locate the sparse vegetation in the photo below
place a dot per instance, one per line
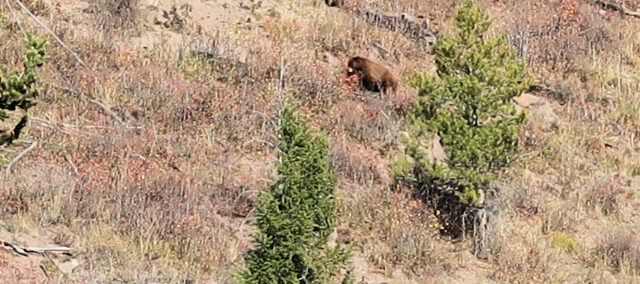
(150, 158)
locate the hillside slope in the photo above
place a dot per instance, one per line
(150, 155)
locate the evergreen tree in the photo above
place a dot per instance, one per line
(469, 105)
(297, 213)
(18, 88)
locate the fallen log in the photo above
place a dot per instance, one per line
(24, 251)
(413, 27)
(618, 8)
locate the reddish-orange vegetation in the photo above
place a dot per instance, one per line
(159, 183)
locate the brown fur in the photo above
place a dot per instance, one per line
(373, 76)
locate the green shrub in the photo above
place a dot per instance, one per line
(297, 213)
(469, 105)
(563, 242)
(18, 88)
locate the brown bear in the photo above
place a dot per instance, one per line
(372, 76)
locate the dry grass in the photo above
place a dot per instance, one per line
(620, 250)
(171, 198)
(137, 198)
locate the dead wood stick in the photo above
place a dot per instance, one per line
(15, 248)
(46, 249)
(102, 106)
(246, 219)
(72, 164)
(66, 276)
(381, 48)
(99, 104)
(15, 17)
(49, 31)
(17, 158)
(619, 8)
(24, 251)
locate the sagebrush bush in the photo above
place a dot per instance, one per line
(469, 105)
(19, 87)
(297, 213)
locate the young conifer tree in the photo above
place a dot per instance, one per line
(470, 106)
(19, 89)
(297, 213)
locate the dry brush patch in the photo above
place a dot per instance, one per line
(620, 250)
(164, 189)
(159, 197)
(389, 228)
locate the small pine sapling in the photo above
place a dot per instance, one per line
(469, 104)
(296, 214)
(18, 89)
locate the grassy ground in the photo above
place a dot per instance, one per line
(160, 186)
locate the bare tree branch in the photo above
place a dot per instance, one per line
(17, 158)
(24, 251)
(49, 31)
(72, 164)
(102, 106)
(15, 17)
